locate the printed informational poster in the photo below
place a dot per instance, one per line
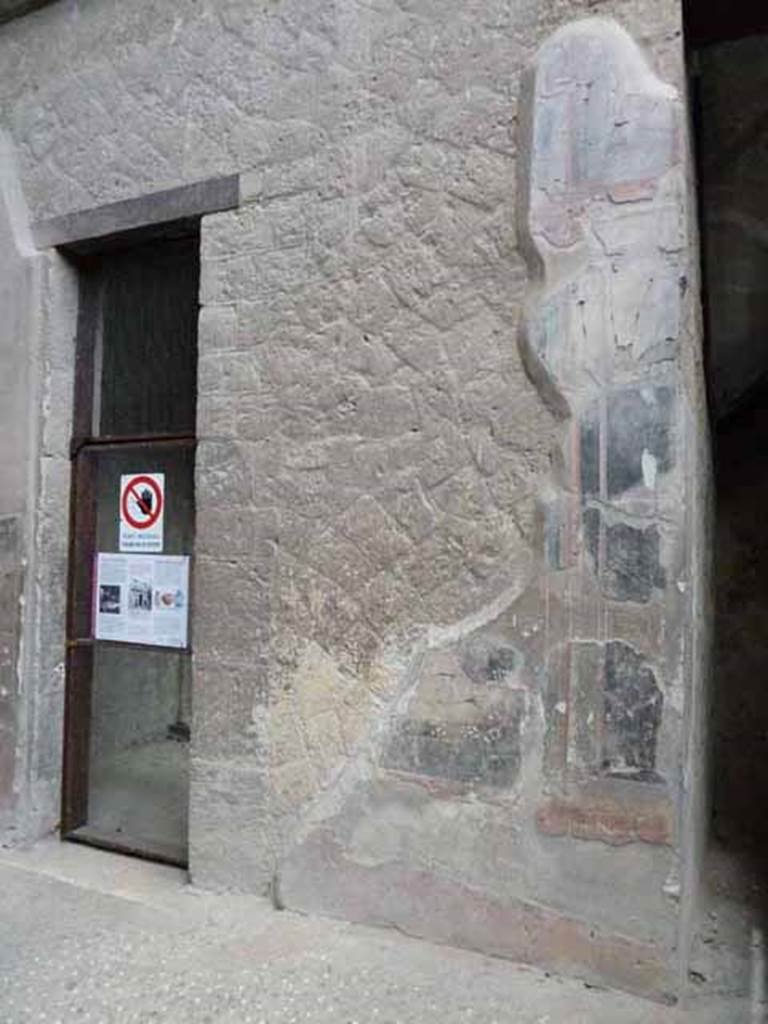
(142, 599)
(142, 509)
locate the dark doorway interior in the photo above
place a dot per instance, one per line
(729, 84)
(128, 671)
(740, 804)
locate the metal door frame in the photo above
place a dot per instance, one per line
(80, 643)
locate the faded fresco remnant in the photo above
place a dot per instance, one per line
(551, 720)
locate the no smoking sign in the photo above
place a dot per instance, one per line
(142, 507)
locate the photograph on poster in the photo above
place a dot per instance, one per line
(142, 599)
(139, 595)
(109, 599)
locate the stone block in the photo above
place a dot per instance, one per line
(48, 736)
(231, 617)
(57, 412)
(222, 474)
(216, 416)
(230, 373)
(231, 838)
(228, 708)
(374, 532)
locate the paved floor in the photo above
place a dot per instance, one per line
(90, 936)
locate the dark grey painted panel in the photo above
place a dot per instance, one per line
(81, 231)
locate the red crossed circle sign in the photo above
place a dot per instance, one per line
(152, 513)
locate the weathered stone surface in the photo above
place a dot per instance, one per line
(615, 819)
(626, 558)
(428, 903)
(466, 719)
(633, 710)
(230, 824)
(483, 749)
(604, 228)
(489, 659)
(17, 336)
(36, 356)
(638, 441)
(374, 469)
(633, 426)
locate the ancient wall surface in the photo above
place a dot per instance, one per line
(41, 669)
(447, 391)
(33, 471)
(17, 294)
(530, 765)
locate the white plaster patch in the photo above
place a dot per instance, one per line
(650, 467)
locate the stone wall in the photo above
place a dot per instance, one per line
(442, 580)
(17, 283)
(38, 300)
(547, 724)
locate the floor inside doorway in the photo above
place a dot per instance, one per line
(138, 800)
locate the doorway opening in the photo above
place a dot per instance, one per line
(128, 688)
(728, 59)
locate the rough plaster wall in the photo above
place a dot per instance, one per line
(371, 448)
(17, 293)
(42, 665)
(37, 300)
(733, 78)
(351, 303)
(556, 712)
(111, 100)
